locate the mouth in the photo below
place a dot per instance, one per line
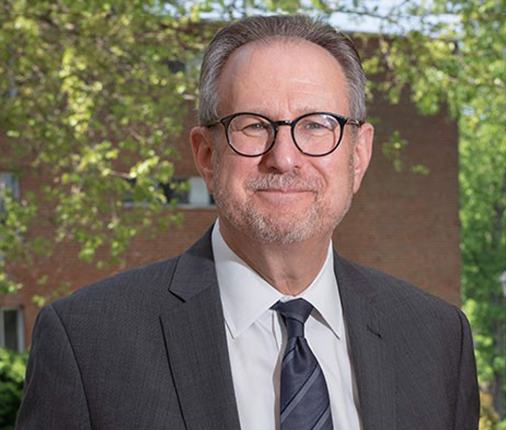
(284, 187)
(284, 190)
(278, 196)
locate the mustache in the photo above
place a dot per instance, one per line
(287, 180)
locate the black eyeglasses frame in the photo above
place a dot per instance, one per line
(342, 120)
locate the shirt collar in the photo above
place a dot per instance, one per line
(246, 295)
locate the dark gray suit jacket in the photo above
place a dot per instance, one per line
(147, 349)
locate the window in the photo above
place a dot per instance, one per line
(195, 195)
(198, 195)
(176, 66)
(12, 328)
(8, 183)
(187, 192)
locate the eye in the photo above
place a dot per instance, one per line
(315, 126)
(255, 126)
(250, 125)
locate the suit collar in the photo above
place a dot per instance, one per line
(369, 348)
(194, 271)
(196, 344)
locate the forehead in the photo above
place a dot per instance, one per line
(281, 75)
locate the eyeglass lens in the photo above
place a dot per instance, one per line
(316, 134)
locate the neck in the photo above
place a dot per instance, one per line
(290, 268)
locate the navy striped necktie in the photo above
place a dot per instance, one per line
(304, 403)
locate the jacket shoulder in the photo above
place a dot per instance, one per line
(389, 293)
(131, 287)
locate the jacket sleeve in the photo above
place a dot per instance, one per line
(467, 410)
(54, 396)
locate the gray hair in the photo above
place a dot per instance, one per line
(265, 28)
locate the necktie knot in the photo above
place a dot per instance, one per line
(294, 313)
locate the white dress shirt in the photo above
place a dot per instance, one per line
(256, 339)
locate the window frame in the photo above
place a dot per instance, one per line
(20, 326)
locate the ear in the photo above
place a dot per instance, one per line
(362, 153)
(203, 150)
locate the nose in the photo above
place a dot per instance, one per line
(284, 156)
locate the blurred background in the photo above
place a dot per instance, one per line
(96, 174)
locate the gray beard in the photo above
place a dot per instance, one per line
(265, 227)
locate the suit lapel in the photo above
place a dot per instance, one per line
(196, 343)
(368, 337)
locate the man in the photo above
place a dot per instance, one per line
(260, 325)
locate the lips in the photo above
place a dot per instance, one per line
(284, 190)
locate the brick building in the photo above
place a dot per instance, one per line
(400, 222)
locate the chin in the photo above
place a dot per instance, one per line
(287, 228)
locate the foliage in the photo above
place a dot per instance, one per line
(12, 372)
(489, 419)
(483, 218)
(90, 110)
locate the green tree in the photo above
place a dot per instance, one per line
(12, 373)
(91, 102)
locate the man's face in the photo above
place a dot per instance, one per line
(282, 196)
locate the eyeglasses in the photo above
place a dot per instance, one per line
(314, 134)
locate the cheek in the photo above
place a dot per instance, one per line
(338, 179)
(230, 173)
(330, 170)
